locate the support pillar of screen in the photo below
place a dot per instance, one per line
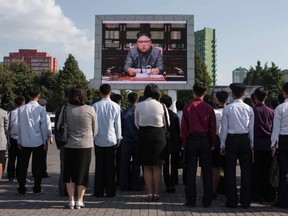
(173, 95)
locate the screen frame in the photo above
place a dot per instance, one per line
(188, 19)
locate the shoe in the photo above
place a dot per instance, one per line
(214, 197)
(155, 197)
(79, 205)
(39, 192)
(230, 206)
(206, 204)
(71, 204)
(12, 180)
(149, 197)
(98, 195)
(28, 180)
(189, 205)
(45, 175)
(21, 191)
(172, 190)
(280, 205)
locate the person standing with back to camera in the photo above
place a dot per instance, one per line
(149, 118)
(144, 56)
(82, 127)
(198, 129)
(237, 138)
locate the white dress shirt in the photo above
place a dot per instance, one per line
(280, 123)
(13, 123)
(237, 118)
(3, 129)
(32, 125)
(109, 122)
(150, 113)
(218, 115)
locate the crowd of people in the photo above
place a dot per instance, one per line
(132, 146)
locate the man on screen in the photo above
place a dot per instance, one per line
(143, 57)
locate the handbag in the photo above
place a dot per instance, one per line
(166, 126)
(61, 134)
(274, 173)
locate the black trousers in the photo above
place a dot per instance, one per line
(198, 147)
(105, 171)
(282, 198)
(37, 167)
(238, 147)
(61, 185)
(13, 156)
(170, 170)
(130, 178)
(261, 187)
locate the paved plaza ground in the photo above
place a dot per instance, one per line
(124, 204)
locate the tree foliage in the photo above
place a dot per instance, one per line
(201, 75)
(67, 77)
(17, 77)
(268, 77)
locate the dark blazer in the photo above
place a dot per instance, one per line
(153, 58)
(174, 143)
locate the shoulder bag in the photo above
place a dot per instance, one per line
(61, 134)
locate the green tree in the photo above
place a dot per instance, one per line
(67, 77)
(268, 77)
(15, 79)
(201, 75)
(254, 76)
(47, 82)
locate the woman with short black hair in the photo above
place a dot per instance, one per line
(82, 127)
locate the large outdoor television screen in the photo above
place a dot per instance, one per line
(134, 50)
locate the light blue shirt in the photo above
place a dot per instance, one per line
(32, 125)
(109, 123)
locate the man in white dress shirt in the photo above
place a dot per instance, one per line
(279, 140)
(237, 143)
(32, 138)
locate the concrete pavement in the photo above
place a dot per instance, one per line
(124, 204)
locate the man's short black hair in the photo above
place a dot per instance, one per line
(260, 93)
(285, 87)
(167, 100)
(238, 89)
(20, 100)
(180, 105)
(105, 89)
(132, 97)
(152, 90)
(222, 96)
(33, 92)
(199, 89)
(280, 98)
(147, 34)
(117, 98)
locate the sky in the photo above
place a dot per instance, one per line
(246, 31)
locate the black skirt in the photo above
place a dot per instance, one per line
(76, 166)
(151, 146)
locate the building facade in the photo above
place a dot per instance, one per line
(285, 73)
(205, 46)
(239, 74)
(37, 61)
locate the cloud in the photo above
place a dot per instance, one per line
(43, 23)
